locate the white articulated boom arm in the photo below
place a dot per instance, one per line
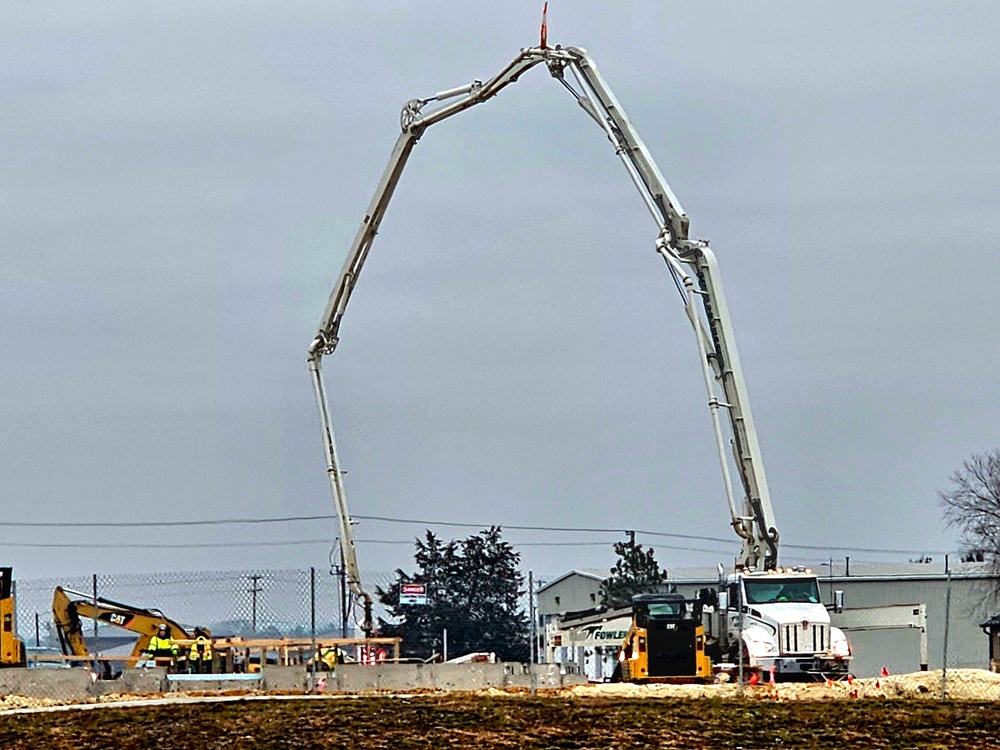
(754, 521)
(413, 122)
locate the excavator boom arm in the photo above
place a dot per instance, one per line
(69, 608)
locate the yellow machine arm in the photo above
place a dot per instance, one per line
(69, 607)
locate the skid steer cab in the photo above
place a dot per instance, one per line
(665, 643)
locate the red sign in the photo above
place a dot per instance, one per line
(411, 594)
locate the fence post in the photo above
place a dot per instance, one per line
(312, 628)
(255, 589)
(94, 580)
(532, 677)
(947, 623)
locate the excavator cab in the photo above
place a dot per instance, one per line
(11, 648)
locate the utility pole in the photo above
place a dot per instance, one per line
(254, 590)
(342, 572)
(631, 538)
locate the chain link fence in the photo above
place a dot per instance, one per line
(275, 604)
(250, 604)
(244, 603)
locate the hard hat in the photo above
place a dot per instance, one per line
(163, 626)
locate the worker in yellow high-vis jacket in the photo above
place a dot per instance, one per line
(200, 655)
(161, 645)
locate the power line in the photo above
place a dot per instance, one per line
(419, 522)
(291, 542)
(116, 545)
(646, 532)
(161, 524)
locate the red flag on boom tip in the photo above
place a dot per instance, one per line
(545, 26)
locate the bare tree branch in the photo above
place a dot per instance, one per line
(972, 506)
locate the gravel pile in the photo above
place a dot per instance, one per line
(8, 702)
(962, 685)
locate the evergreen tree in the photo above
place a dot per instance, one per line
(474, 590)
(635, 572)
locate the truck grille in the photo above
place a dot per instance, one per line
(808, 638)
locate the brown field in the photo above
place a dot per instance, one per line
(487, 721)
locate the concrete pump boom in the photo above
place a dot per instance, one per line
(691, 264)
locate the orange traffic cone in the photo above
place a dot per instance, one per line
(754, 678)
(885, 672)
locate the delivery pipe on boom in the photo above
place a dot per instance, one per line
(413, 122)
(691, 264)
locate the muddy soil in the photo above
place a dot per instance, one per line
(485, 722)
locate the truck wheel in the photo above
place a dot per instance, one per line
(616, 675)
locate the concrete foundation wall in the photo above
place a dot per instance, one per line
(76, 684)
(359, 678)
(546, 676)
(64, 684)
(292, 679)
(141, 681)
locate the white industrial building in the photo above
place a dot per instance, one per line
(906, 631)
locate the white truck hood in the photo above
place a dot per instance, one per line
(781, 613)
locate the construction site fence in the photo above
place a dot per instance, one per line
(271, 619)
(250, 604)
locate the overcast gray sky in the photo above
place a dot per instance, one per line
(182, 181)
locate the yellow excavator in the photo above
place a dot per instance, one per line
(69, 607)
(11, 648)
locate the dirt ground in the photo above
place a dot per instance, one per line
(888, 712)
(486, 722)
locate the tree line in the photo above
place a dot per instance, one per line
(476, 592)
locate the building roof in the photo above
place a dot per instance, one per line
(993, 623)
(839, 570)
(593, 574)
